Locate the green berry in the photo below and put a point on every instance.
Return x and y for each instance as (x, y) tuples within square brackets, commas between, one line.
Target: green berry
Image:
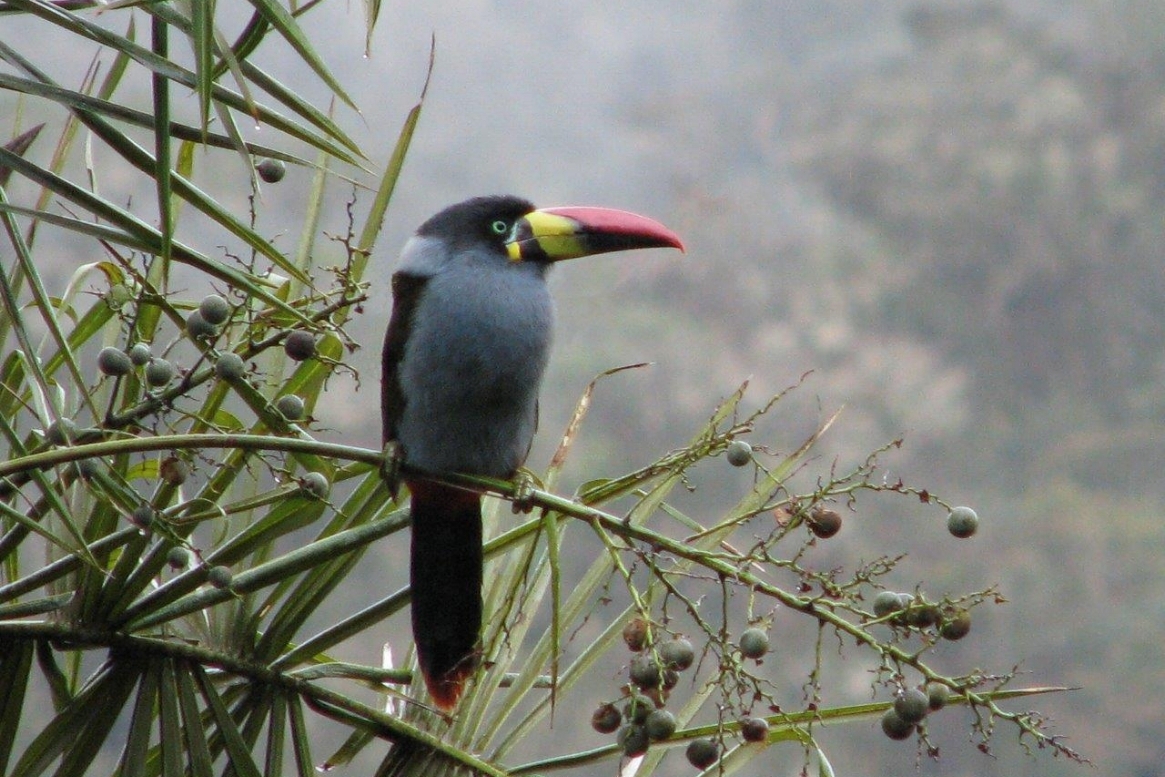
[(885, 603), (86, 468), (936, 695), (271, 170), (635, 634), (633, 740), (702, 753), (139, 354), (606, 719), (198, 327), (962, 522), (637, 708), (118, 295), (290, 406), (895, 727), (660, 725), (300, 345), (912, 705), (644, 672), (178, 557), (214, 309), (315, 485), (61, 432), (754, 729), (677, 654), (159, 373), (824, 523), (229, 366), (956, 625), (739, 453), (754, 643), (113, 361), (142, 516), (219, 577)]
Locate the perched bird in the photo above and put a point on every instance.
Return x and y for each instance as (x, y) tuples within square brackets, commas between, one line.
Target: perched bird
[(463, 359)]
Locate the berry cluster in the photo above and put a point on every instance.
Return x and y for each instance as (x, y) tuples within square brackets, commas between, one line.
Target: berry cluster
[(208, 326), (907, 611), (640, 717), (911, 706), (203, 326)]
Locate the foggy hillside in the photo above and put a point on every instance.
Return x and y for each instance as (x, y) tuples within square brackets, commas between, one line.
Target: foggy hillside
[(950, 212)]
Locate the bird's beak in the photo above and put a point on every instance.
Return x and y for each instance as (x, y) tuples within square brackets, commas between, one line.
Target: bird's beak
[(552, 234)]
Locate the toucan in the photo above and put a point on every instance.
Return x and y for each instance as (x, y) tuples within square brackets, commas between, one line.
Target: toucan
[(464, 354)]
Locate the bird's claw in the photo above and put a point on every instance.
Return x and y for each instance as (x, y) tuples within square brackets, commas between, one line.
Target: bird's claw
[(390, 464), (524, 487)]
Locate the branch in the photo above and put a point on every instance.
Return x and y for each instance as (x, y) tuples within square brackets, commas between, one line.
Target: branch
[(322, 700)]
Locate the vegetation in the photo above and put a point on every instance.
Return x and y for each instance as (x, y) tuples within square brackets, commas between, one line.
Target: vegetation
[(176, 530)]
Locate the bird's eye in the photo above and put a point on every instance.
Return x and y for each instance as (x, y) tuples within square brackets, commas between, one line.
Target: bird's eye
[(499, 227)]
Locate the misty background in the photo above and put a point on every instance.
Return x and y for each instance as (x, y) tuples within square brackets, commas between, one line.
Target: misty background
[(951, 212)]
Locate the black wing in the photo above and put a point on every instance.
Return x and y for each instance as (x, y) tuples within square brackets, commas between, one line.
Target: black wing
[(406, 293)]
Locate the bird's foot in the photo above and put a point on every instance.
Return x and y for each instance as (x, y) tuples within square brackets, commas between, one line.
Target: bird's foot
[(390, 464), (524, 486)]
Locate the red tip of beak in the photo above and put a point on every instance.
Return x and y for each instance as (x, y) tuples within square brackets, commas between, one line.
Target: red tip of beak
[(608, 221)]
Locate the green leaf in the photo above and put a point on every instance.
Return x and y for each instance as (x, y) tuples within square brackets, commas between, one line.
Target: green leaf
[(310, 557), (183, 188), (571, 676), (141, 725), (202, 40), (824, 767), (174, 72), (197, 749), (360, 510), (311, 648), (123, 113), (43, 303), (287, 515), (276, 736), (248, 40), (142, 237), (41, 606), (15, 669), (59, 688), (77, 733), (236, 748), (388, 181), (299, 739), (20, 519), (278, 17), (289, 96), (18, 145), (171, 738), (159, 167)]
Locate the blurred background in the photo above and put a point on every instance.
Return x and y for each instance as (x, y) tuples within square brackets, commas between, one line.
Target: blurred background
[(949, 211)]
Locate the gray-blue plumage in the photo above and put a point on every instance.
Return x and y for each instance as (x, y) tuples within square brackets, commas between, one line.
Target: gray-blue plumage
[(464, 355), (478, 342)]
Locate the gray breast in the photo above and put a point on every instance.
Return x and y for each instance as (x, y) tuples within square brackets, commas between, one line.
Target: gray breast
[(472, 368)]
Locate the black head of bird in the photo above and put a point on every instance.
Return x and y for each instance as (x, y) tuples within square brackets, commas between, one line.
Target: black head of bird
[(464, 355)]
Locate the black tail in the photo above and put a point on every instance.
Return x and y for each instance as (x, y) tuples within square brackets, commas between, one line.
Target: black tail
[(445, 574)]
